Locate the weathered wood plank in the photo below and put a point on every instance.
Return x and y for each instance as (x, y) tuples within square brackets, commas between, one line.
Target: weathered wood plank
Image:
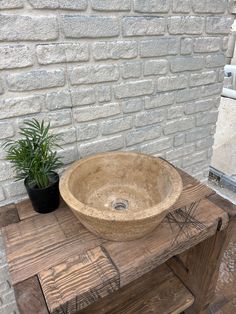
[(135, 258), (193, 190), (225, 204), (44, 240), (8, 215), (159, 292), (202, 265), (29, 297), (25, 209), (79, 281)]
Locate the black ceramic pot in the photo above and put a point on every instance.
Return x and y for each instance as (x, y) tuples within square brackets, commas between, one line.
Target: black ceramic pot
[(45, 200)]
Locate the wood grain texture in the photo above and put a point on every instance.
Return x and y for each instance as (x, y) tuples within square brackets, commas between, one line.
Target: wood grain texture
[(136, 258), (159, 292), (193, 190), (79, 281), (44, 240), (29, 297), (202, 264), (226, 205), (8, 215), (25, 209)]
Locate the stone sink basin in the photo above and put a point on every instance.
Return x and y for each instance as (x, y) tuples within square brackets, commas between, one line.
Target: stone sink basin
[(120, 196)]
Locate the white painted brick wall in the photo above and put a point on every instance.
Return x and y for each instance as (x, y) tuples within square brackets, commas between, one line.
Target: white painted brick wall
[(114, 75)]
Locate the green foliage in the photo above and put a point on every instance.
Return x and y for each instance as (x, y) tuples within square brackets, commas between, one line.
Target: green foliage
[(32, 155)]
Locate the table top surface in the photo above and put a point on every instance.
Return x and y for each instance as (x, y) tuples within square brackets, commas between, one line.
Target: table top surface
[(57, 255)]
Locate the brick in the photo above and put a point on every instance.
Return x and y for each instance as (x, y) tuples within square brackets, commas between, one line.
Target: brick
[(83, 96), (143, 134), (1, 87), (156, 146), (13, 107), (56, 118), (172, 82), (209, 6), (90, 74), (17, 56), (115, 50), (95, 112), (182, 64), (104, 93), (175, 112), (132, 89), (11, 4), (149, 117), (116, 125), (143, 26), (6, 171), (151, 6), (216, 60), (57, 53), (131, 69), (218, 25), (185, 25), (188, 94), (206, 44), (205, 142), (177, 162), (28, 27), (159, 100), (179, 152), (200, 106), (206, 118), (9, 308), (212, 89), (87, 131), (59, 4), (37, 79), (69, 154), (13, 189), (179, 125), (155, 67), (58, 100), (76, 26), (132, 105), (102, 145), (203, 78), (179, 139), (186, 46), (225, 43), (159, 47), (111, 5), (2, 198), (194, 158), (6, 130), (181, 6), (66, 135), (198, 133)]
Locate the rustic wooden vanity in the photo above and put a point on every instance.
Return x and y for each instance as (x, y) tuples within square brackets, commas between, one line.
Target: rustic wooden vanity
[(57, 266)]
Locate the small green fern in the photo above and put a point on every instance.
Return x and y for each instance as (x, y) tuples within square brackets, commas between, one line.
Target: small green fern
[(32, 156)]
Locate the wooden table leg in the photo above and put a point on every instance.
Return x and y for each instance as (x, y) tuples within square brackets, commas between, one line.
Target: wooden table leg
[(199, 270)]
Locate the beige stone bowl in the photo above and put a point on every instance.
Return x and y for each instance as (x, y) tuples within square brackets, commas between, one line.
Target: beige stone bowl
[(120, 196)]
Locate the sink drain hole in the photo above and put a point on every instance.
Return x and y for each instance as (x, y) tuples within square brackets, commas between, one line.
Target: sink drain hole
[(120, 204)]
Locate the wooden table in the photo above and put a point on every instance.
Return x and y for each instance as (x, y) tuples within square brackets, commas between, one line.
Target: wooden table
[(57, 266)]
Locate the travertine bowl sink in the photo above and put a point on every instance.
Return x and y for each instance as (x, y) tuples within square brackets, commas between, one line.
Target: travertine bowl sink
[(120, 196)]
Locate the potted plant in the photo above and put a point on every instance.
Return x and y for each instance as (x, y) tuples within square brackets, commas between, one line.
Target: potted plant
[(34, 160)]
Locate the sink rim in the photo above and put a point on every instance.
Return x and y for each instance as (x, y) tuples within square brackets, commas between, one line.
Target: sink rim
[(120, 216)]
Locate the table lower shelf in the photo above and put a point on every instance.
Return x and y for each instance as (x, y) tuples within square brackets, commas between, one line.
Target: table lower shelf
[(159, 292)]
